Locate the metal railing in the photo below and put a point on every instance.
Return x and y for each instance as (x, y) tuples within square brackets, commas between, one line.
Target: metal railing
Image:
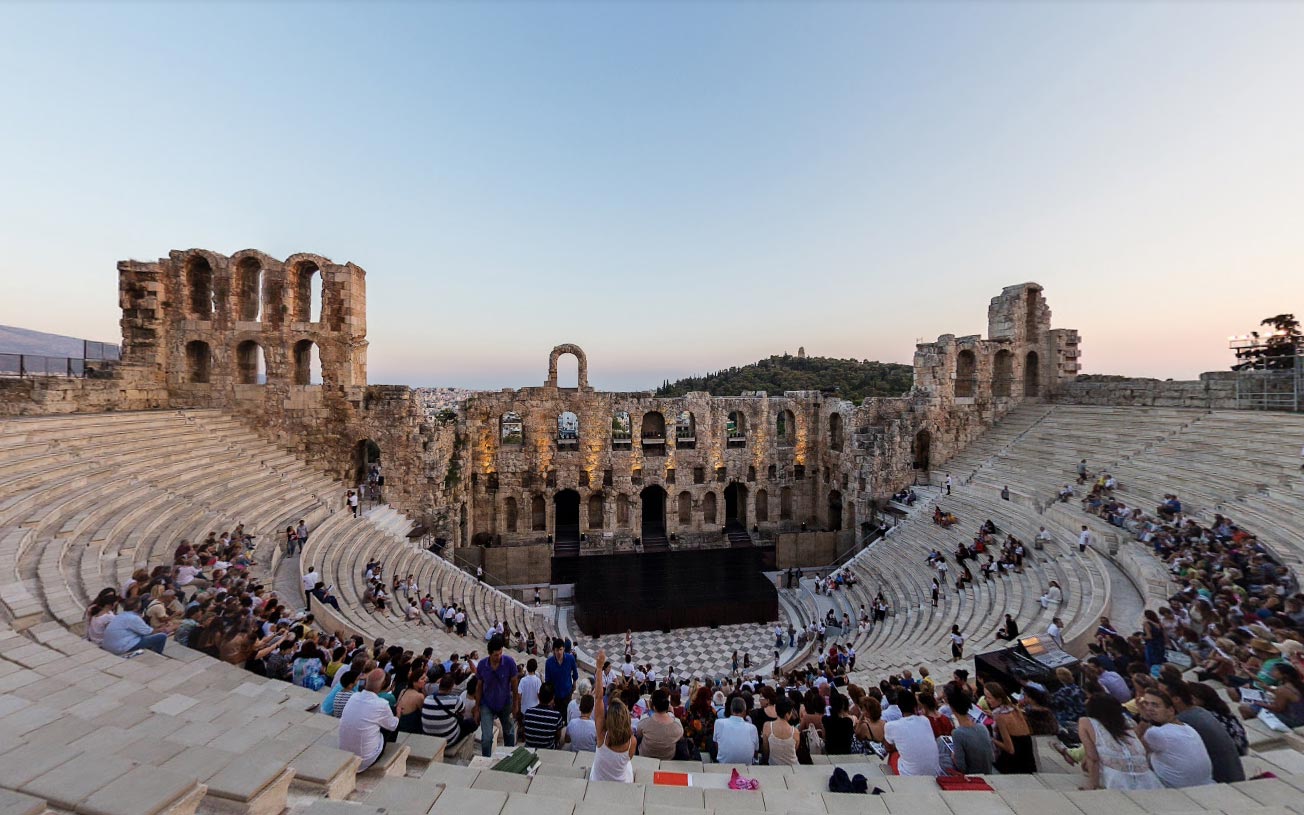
[(97, 358)]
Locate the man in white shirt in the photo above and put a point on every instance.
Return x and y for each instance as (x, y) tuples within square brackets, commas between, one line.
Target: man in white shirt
[(1043, 537), (1084, 539), (1055, 631), (736, 739), (529, 686), (310, 580), (913, 737), (363, 718)]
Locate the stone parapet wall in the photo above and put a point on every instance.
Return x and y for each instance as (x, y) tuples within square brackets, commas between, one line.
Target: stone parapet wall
[(1212, 391)]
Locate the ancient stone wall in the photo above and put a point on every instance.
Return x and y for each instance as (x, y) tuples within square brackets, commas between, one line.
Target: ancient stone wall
[(1212, 391)]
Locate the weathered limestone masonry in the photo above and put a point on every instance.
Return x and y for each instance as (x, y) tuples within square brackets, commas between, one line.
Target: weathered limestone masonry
[(1213, 391)]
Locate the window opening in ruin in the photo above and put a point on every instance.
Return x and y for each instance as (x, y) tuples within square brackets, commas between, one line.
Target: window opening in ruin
[(699, 475), (199, 276), (366, 462), (568, 371), (652, 432), (799, 471), (762, 506), (735, 505), (835, 510), (1032, 375), (307, 363), (771, 472), (1002, 373), (652, 517), (568, 431), (584, 478), (308, 292), (966, 374), (835, 432), (785, 428), (636, 476), (785, 504), (538, 514), (511, 430), (250, 274), (685, 430), (608, 478), (708, 509), (199, 362), (1030, 316), (566, 517), (597, 509), (720, 474), (622, 511), (621, 431), (923, 450), (509, 514), (491, 481), (751, 472), (670, 475), (685, 508), (735, 429), (251, 366)]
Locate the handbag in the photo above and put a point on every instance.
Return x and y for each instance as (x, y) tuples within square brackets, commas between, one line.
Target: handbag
[(814, 741)]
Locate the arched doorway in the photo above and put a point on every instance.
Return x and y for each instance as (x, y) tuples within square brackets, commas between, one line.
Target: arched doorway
[(923, 449), (366, 461), (966, 374), (1002, 373), (735, 505), (835, 510), (652, 523), (1031, 375), (566, 521)]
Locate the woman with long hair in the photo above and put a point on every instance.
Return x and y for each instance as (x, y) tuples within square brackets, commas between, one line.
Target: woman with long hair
[(1152, 631), (1014, 749), (615, 734), (1113, 756), (1208, 698)]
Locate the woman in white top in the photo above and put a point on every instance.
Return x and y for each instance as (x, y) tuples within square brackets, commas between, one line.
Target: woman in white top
[(1114, 758), (779, 738), (615, 735)]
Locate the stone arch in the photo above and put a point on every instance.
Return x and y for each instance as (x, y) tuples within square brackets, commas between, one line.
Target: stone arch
[(835, 432), (511, 430), (1002, 372), (685, 430), (923, 449), (251, 363), (597, 510), (566, 516), (249, 285), (622, 433), (200, 302), (366, 454), (307, 363), (735, 429), (652, 520), (835, 510), (966, 374), (685, 508), (762, 512), (785, 428), (538, 514), (653, 426), (510, 514), (306, 278), (735, 504), (1032, 374), (575, 351), (709, 515), (199, 362)]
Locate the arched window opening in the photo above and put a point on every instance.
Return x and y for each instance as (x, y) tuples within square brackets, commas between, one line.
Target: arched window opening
[(251, 367), (785, 429), (1030, 316), (1002, 373), (199, 362), (622, 434), (652, 431), (685, 509), (307, 363), (307, 292), (597, 508), (509, 514), (1032, 375), (568, 431), (923, 450), (538, 514), (735, 505), (199, 276), (366, 462), (652, 524), (708, 509), (785, 504), (762, 506), (568, 371), (622, 511), (835, 510), (566, 521), (249, 273), (511, 430), (966, 374), (735, 429), (835, 432), (685, 430)]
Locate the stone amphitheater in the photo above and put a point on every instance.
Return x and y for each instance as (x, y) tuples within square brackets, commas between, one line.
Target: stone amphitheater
[(242, 397)]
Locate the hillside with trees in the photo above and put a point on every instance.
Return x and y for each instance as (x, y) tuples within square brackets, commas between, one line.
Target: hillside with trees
[(852, 379)]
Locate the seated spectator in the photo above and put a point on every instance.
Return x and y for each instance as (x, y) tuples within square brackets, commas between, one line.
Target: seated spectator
[(1224, 758), (1068, 701), (1177, 753), (1053, 595), (365, 715), (443, 713), (1209, 699), (735, 738), (581, 735), (128, 631), (1014, 749), (780, 739), (1113, 756), (344, 693), (659, 732), (912, 737), (543, 723), (970, 751), (838, 726), (1009, 630)]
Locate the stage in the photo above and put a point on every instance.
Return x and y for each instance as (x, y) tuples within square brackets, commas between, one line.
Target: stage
[(664, 590)]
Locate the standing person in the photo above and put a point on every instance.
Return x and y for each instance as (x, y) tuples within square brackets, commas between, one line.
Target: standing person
[(291, 538), (365, 715), (310, 579), (1084, 539), (948, 483), (495, 695), (937, 590), (1177, 753), (353, 503), (527, 688), (301, 533), (479, 573), (1114, 758), (1082, 471), (1005, 493), (614, 733), (957, 644), (561, 672)]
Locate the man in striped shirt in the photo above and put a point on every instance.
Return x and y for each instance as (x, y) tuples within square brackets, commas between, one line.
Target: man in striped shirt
[(543, 722), (443, 713)]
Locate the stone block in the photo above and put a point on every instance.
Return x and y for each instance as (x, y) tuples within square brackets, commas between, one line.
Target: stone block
[(146, 791), (463, 801)]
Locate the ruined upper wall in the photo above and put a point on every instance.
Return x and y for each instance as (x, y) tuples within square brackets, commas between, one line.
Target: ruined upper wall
[(1212, 391)]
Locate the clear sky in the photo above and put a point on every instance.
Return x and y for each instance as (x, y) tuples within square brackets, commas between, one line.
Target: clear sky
[(676, 187)]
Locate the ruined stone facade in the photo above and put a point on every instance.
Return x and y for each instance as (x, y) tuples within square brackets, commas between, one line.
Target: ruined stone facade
[(283, 344)]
